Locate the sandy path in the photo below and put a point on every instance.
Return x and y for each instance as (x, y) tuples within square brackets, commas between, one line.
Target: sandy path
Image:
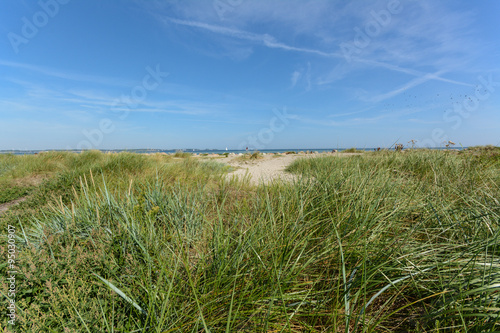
[(5, 206), (269, 168), (263, 170)]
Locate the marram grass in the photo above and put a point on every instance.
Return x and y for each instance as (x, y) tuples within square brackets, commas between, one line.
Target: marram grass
[(382, 242)]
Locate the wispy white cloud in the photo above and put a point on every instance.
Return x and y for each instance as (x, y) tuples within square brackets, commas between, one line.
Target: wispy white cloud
[(67, 75), (185, 107), (263, 39), (413, 72), (295, 77), (298, 16), (304, 76), (308, 77), (413, 83), (426, 122), (88, 104)]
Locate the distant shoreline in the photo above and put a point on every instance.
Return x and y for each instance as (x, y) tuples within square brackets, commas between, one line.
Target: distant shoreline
[(209, 151)]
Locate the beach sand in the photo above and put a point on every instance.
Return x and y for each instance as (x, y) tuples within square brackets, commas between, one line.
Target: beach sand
[(270, 167)]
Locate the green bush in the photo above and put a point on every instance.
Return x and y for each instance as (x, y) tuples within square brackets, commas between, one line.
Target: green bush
[(351, 150), (255, 155), (182, 154)]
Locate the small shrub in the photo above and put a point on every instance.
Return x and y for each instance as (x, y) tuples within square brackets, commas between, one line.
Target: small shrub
[(351, 150), (255, 155), (181, 154)]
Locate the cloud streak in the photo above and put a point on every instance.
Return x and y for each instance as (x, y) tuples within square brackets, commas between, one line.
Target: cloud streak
[(65, 75), (295, 77), (263, 39), (413, 83), (413, 72)]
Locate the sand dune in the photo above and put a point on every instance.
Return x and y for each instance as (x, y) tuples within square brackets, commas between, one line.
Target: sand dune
[(270, 167)]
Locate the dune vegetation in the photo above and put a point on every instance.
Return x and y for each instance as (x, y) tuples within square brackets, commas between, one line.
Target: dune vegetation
[(378, 242)]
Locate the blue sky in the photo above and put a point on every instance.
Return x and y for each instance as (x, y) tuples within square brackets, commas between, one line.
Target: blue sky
[(235, 73)]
